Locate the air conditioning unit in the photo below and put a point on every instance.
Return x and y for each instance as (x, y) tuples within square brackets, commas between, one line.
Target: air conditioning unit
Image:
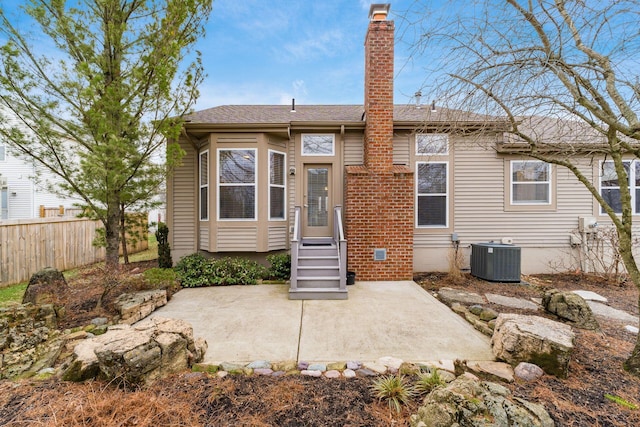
[(495, 262)]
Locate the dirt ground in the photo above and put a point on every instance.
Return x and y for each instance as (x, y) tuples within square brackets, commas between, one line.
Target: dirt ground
[(195, 399)]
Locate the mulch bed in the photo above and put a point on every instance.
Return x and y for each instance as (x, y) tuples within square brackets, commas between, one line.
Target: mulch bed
[(194, 399)]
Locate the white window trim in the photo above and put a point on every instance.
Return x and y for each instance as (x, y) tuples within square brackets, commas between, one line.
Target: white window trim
[(201, 186), (333, 144), (632, 185), (254, 185), (445, 153), (548, 182), (446, 194), (284, 210)]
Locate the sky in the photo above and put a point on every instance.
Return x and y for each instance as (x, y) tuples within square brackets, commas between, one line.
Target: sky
[(270, 51)]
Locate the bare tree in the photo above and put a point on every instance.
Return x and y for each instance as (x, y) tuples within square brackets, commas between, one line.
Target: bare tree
[(564, 76)]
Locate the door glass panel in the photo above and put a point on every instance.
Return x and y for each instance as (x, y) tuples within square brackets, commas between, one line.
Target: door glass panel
[(318, 196)]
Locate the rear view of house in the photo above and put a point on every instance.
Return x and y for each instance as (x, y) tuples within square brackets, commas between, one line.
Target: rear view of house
[(380, 189)]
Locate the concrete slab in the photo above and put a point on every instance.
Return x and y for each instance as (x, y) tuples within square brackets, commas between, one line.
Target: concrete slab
[(590, 296), (396, 319), (246, 323), (240, 323), (603, 310)]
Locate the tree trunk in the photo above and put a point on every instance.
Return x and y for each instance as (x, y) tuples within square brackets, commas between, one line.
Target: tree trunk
[(632, 364), (112, 236), (123, 233)]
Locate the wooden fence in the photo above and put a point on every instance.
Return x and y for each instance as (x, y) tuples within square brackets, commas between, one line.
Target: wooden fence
[(27, 246)]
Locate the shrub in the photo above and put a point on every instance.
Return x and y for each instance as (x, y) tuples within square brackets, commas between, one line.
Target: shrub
[(280, 266), (195, 271), (394, 389), (164, 250)]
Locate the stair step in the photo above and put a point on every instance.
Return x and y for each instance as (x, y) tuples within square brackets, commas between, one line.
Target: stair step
[(318, 293), (318, 271)]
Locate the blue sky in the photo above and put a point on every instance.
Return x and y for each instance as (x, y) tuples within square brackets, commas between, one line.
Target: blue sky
[(269, 51)]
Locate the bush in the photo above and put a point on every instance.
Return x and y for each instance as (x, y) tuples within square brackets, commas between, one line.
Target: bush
[(164, 250), (195, 271), (280, 266)]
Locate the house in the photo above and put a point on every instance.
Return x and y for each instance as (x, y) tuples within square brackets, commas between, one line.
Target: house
[(382, 190), (21, 195)]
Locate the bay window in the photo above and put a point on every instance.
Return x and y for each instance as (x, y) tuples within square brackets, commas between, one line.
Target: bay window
[(237, 184), (277, 179)]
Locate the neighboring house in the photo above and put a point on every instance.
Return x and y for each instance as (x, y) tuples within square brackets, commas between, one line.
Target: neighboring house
[(20, 195), (408, 185)]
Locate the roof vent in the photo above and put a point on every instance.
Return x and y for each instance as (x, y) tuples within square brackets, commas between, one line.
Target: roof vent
[(418, 96), (379, 11), (293, 105)]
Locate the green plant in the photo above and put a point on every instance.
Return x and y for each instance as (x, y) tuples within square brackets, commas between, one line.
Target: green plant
[(620, 401), (12, 294), (427, 381), (395, 389), (195, 270), (160, 276), (280, 266), (164, 250)]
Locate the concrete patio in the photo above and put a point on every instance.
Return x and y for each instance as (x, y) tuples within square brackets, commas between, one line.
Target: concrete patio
[(246, 323)]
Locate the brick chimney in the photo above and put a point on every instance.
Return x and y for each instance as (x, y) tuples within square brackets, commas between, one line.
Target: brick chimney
[(379, 195)]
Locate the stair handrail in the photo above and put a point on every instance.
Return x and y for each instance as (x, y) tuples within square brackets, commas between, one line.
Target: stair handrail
[(295, 247), (341, 244)]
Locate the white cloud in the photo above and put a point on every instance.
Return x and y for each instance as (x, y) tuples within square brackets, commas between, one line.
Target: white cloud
[(325, 44)]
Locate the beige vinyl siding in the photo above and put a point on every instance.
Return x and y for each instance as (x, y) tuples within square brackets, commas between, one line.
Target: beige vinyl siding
[(353, 148), (291, 182), (479, 204), (401, 149), (183, 202), (204, 238), (238, 239), (277, 237)]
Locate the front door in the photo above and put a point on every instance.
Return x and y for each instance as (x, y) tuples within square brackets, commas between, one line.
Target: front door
[(317, 215)]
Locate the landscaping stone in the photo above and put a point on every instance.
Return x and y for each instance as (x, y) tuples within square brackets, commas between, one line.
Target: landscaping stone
[(288, 365), (262, 371), (392, 363), (317, 367), (222, 374), (205, 367), (603, 310), (353, 365), (544, 342), (476, 309), (349, 373), (302, 365), (137, 354), (458, 308), (409, 368), (136, 306), (591, 296), (337, 366), (451, 295), (278, 374), (512, 302), (478, 324), (232, 368), (446, 365), (632, 329), (259, 364), (364, 372), (570, 306), (488, 314), (309, 373), (375, 367), (468, 402), (528, 371), (492, 370), (332, 374), (47, 286), (99, 321)]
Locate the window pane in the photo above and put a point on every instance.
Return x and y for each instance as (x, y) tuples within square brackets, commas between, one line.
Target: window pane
[(432, 210), (277, 203), (276, 173), (432, 143), (612, 197), (237, 166), (609, 177), (319, 145), (532, 171), (432, 178), (531, 193), (237, 202), (204, 203), (204, 168)]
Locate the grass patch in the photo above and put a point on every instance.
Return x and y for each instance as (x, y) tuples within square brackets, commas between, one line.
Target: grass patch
[(12, 294)]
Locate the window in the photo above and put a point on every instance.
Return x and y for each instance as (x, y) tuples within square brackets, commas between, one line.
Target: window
[(530, 183), (237, 184), (204, 186), (610, 186), (277, 179), (318, 145), (432, 193), (432, 144), (2, 153)]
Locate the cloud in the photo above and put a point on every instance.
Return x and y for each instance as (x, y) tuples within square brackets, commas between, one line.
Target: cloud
[(324, 44)]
